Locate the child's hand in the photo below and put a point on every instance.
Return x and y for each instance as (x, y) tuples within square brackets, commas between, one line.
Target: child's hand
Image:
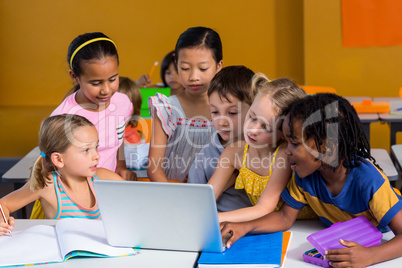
[(238, 230), (126, 174), (354, 255), (4, 228), (143, 80)]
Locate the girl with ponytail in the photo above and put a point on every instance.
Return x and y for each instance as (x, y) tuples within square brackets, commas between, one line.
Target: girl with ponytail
[(63, 175)]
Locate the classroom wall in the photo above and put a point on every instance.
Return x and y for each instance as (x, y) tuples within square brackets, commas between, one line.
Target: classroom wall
[(35, 37), (299, 39), (358, 71)]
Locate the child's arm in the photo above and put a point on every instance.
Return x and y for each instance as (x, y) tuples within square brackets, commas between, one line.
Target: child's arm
[(105, 174), (157, 151), (269, 199), (273, 222), (143, 80), (14, 201), (221, 179), (356, 255), (121, 167)]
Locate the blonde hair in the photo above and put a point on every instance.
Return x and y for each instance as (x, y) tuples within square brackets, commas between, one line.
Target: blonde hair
[(132, 90), (282, 91), (55, 135)]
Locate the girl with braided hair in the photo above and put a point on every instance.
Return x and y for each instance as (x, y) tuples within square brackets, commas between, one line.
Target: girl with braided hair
[(336, 175)]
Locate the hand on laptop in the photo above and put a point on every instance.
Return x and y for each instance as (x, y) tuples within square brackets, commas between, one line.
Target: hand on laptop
[(235, 230)]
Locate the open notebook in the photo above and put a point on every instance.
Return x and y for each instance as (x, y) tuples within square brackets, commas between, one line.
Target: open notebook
[(70, 238)]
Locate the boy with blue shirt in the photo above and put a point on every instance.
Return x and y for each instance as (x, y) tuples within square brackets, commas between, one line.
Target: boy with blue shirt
[(230, 98)]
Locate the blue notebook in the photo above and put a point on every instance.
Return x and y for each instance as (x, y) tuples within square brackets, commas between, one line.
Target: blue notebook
[(264, 250)]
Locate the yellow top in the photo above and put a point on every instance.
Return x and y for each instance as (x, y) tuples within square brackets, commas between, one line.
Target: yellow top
[(250, 181)]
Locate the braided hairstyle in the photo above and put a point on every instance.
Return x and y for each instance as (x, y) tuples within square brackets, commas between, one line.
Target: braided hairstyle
[(330, 119)]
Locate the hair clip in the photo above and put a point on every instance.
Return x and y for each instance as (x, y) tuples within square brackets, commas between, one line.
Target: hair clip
[(43, 154)]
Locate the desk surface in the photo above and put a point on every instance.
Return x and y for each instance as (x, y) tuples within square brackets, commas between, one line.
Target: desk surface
[(387, 117), (384, 160), (21, 171), (147, 258), (178, 259), (357, 98), (396, 150)]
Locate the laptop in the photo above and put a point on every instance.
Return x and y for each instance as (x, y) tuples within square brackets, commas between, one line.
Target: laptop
[(169, 216)]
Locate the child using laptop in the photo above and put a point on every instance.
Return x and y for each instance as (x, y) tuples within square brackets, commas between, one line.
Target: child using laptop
[(260, 159), (63, 175), (336, 175), (230, 97), (181, 124)]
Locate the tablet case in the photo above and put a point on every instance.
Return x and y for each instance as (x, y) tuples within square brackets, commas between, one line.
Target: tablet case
[(359, 230)]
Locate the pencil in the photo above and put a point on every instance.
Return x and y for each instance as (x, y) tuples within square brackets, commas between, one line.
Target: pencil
[(153, 69), (4, 217)]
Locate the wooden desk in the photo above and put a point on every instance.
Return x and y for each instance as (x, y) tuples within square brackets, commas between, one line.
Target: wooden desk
[(394, 121), (179, 259)]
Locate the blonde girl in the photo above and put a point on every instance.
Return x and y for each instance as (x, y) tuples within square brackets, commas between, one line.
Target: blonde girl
[(63, 175), (260, 159)]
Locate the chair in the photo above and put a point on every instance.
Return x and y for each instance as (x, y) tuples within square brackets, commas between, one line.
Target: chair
[(37, 211)]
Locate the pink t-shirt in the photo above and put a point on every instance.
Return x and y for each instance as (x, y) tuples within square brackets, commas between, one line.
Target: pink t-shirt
[(110, 124)]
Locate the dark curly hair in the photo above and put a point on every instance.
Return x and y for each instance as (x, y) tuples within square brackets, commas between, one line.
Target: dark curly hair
[(331, 118)]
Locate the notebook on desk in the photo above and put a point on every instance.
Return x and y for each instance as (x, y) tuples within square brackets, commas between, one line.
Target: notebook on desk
[(171, 216)]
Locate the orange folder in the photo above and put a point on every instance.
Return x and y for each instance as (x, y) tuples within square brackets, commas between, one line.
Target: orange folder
[(368, 106)]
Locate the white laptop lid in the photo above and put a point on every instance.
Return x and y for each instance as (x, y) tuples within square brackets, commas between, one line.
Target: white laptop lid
[(172, 216)]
